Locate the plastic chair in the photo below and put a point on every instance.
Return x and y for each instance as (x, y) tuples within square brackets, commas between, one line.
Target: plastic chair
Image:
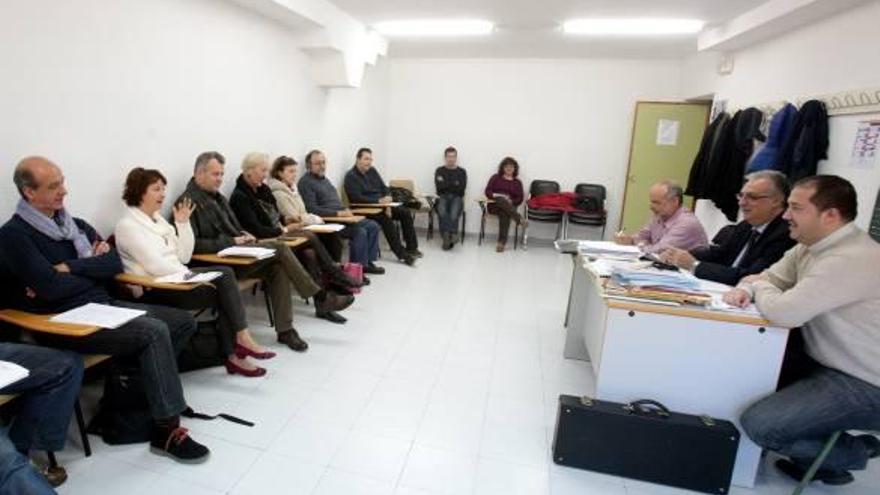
[(595, 217), (537, 188)]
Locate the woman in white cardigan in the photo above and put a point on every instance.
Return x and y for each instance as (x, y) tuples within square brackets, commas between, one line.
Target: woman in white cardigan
[(282, 182), (149, 245)]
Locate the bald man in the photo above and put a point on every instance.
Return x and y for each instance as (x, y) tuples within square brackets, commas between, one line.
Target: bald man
[(53, 262), (673, 225)]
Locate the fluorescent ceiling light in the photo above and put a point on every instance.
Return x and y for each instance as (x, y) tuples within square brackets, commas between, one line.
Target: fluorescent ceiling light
[(414, 28), (632, 27)]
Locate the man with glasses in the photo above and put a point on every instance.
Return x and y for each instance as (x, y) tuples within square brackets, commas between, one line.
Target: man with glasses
[(756, 243)]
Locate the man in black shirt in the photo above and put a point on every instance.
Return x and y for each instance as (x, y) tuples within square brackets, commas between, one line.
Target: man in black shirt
[(451, 182), (363, 184)]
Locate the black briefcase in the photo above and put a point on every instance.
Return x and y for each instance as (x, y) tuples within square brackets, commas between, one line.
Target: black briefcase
[(643, 440)]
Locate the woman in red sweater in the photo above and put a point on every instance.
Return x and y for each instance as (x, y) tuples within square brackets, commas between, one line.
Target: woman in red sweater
[(506, 192)]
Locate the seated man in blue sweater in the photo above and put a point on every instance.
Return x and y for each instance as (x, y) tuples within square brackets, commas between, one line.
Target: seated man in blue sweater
[(322, 199), (56, 262)]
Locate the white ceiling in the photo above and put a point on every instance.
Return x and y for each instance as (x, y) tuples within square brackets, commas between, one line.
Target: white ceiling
[(530, 28)]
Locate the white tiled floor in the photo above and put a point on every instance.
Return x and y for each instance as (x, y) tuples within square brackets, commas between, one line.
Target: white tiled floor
[(444, 381)]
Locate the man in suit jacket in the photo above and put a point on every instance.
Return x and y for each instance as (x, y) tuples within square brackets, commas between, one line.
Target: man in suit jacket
[(756, 243)]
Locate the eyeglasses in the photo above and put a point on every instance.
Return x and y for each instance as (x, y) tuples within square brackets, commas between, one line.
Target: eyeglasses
[(751, 197)]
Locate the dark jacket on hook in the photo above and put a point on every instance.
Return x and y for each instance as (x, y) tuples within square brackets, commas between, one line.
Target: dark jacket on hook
[(727, 169), (699, 178), (780, 129), (807, 143)]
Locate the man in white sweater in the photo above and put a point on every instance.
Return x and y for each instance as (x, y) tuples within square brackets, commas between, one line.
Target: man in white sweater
[(830, 285)]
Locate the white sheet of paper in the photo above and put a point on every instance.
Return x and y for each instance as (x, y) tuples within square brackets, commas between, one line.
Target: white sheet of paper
[(11, 373), (180, 278), (248, 252), (98, 315), (667, 132), (327, 227)]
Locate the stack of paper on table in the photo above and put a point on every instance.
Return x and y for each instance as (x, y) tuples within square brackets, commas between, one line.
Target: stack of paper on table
[(11, 373), (655, 278), (98, 315), (325, 228), (188, 278), (248, 252), (605, 248)]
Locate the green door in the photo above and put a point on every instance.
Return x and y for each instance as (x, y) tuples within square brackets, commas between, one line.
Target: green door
[(665, 141)]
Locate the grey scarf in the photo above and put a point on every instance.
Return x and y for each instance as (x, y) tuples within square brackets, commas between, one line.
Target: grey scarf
[(61, 227)]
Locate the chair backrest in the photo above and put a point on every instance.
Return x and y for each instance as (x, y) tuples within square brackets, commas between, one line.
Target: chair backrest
[(407, 184), (539, 187), (596, 191), (343, 196)]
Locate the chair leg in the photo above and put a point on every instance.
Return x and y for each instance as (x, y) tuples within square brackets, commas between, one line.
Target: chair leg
[(430, 223), (463, 222), (482, 229), (515, 236), (81, 424), (808, 477), (268, 307)]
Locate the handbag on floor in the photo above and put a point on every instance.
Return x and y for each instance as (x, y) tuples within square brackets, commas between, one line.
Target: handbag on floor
[(123, 413), (356, 272), (643, 440), (203, 349)]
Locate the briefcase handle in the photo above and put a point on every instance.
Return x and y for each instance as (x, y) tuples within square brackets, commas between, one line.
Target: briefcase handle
[(647, 406)]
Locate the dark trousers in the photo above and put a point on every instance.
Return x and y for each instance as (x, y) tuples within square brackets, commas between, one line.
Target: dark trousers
[(363, 241), (277, 286), (505, 211), (47, 395), (333, 244), (155, 339), (392, 234), (449, 208), (221, 293), (315, 256)]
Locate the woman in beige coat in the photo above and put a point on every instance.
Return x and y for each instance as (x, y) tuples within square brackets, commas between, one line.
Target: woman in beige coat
[(282, 182)]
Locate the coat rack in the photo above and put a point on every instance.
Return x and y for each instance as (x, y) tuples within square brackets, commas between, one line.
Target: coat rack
[(853, 102)]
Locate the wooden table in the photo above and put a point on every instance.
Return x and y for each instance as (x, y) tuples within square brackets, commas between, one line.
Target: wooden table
[(213, 259), (295, 241), (349, 220), (44, 324), (150, 282), (691, 359), (369, 211)]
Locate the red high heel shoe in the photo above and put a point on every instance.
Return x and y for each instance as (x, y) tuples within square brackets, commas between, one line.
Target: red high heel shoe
[(242, 352), (234, 369)]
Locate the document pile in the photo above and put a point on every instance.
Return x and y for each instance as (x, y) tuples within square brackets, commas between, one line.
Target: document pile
[(98, 315), (325, 228), (608, 249), (657, 285), (248, 252)]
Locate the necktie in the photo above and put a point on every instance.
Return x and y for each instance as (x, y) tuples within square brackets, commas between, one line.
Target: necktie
[(753, 238)]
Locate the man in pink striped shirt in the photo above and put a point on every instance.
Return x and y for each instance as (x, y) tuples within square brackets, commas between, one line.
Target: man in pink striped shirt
[(673, 225)]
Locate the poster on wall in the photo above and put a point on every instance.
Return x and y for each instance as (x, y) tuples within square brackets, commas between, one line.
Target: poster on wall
[(667, 132), (864, 153)]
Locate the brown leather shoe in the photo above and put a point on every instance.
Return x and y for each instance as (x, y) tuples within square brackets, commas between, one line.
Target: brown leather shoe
[(291, 339), (330, 301), (499, 248), (56, 476)]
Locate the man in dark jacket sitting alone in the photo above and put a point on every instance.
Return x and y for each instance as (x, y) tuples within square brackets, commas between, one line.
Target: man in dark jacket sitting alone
[(451, 182), (755, 244), (57, 262), (363, 184)]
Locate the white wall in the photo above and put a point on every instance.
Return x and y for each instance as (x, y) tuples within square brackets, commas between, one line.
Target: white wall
[(837, 54), (100, 86), (565, 120)]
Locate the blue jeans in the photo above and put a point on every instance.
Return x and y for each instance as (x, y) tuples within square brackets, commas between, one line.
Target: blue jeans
[(797, 420), (155, 339), (449, 208), (47, 395), (363, 241), (17, 476)]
